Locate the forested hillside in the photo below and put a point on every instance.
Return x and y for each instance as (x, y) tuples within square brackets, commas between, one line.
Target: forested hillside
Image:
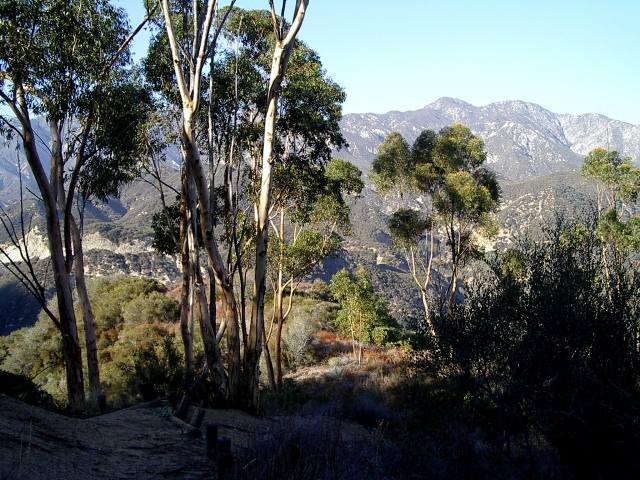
[(119, 231), (205, 226)]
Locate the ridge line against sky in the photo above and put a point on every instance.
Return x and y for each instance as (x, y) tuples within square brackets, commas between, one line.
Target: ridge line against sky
[(567, 56)]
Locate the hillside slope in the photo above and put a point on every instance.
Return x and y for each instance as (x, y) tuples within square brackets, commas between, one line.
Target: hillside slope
[(535, 152)]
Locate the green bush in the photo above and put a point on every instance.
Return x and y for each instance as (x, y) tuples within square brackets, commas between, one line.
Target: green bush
[(546, 347), (24, 389), (134, 324)]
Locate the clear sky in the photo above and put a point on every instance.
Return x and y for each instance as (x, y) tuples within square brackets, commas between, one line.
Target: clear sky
[(569, 56)]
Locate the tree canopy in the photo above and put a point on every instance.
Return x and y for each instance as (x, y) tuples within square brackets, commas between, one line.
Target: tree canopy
[(459, 196)]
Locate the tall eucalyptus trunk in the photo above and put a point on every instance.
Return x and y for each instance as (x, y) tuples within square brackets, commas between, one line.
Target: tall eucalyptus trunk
[(188, 67), (66, 321), (281, 54)]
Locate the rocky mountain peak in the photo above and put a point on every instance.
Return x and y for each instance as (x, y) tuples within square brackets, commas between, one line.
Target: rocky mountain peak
[(523, 140)]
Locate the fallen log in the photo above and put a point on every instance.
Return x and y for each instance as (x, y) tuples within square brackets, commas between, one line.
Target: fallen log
[(190, 430)]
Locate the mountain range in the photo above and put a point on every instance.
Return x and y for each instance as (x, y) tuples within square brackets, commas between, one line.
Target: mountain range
[(535, 153), (523, 140)]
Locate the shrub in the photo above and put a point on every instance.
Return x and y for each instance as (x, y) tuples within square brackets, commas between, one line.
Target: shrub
[(546, 349), (24, 389), (308, 448)]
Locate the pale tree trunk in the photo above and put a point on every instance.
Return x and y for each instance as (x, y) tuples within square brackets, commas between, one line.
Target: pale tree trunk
[(360, 340), (192, 157), (454, 240), (423, 286), (65, 242), (353, 334), (267, 357), (74, 235), (67, 321), (190, 93), (93, 367), (281, 55), (279, 294)]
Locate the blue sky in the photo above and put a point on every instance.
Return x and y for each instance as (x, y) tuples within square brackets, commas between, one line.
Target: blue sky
[(567, 56)]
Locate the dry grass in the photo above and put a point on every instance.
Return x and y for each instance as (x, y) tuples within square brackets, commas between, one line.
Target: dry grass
[(307, 448)]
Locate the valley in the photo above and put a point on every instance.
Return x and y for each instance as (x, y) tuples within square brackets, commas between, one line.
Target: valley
[(535, 153)]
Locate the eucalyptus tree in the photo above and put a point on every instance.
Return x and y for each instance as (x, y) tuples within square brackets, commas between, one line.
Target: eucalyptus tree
[(617, 183), (65, 60), (311, 212), (400, 169), (466, 200), (306, 133), (192, 41), (459, 195), (186, 28), (392, 169), (363, 316), (616, 179), (285, 36)]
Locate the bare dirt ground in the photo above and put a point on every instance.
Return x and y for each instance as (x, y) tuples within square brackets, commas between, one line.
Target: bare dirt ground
[(134, 443)]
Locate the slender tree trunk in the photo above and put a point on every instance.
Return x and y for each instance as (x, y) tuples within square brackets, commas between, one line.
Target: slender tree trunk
[(67, 320), (253, 350), (353, 334), (190, 93), (75, 238), (185, 291), (192, 157), (93, 366), (279, 342), (269, 363), (211, 347), (279, 294), (281, 55)]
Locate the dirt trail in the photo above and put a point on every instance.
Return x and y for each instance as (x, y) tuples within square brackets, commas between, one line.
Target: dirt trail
[(134, 443)]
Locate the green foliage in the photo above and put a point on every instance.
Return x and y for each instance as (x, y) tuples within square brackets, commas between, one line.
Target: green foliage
[(117, 147), (512, 262), (134, 327), (547, 346), (407, 227), (131, 300), (36, 353), (616, 181), (457, 149), (462, 197), (362, 316), (23, 388), (341, 180), (393, 166), (308, 249), (320, 291), (166, 230), (625, 235), (617, 177), (310, 104), (63, 71), (59, 49), (134, 321), (469, 193), (159, 362)]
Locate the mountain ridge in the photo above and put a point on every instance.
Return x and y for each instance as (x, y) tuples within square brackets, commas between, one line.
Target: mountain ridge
[(535, 153), (523, 139)]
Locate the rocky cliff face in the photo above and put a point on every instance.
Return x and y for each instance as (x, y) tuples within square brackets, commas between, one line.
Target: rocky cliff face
[(523, 140), (535, 153)]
